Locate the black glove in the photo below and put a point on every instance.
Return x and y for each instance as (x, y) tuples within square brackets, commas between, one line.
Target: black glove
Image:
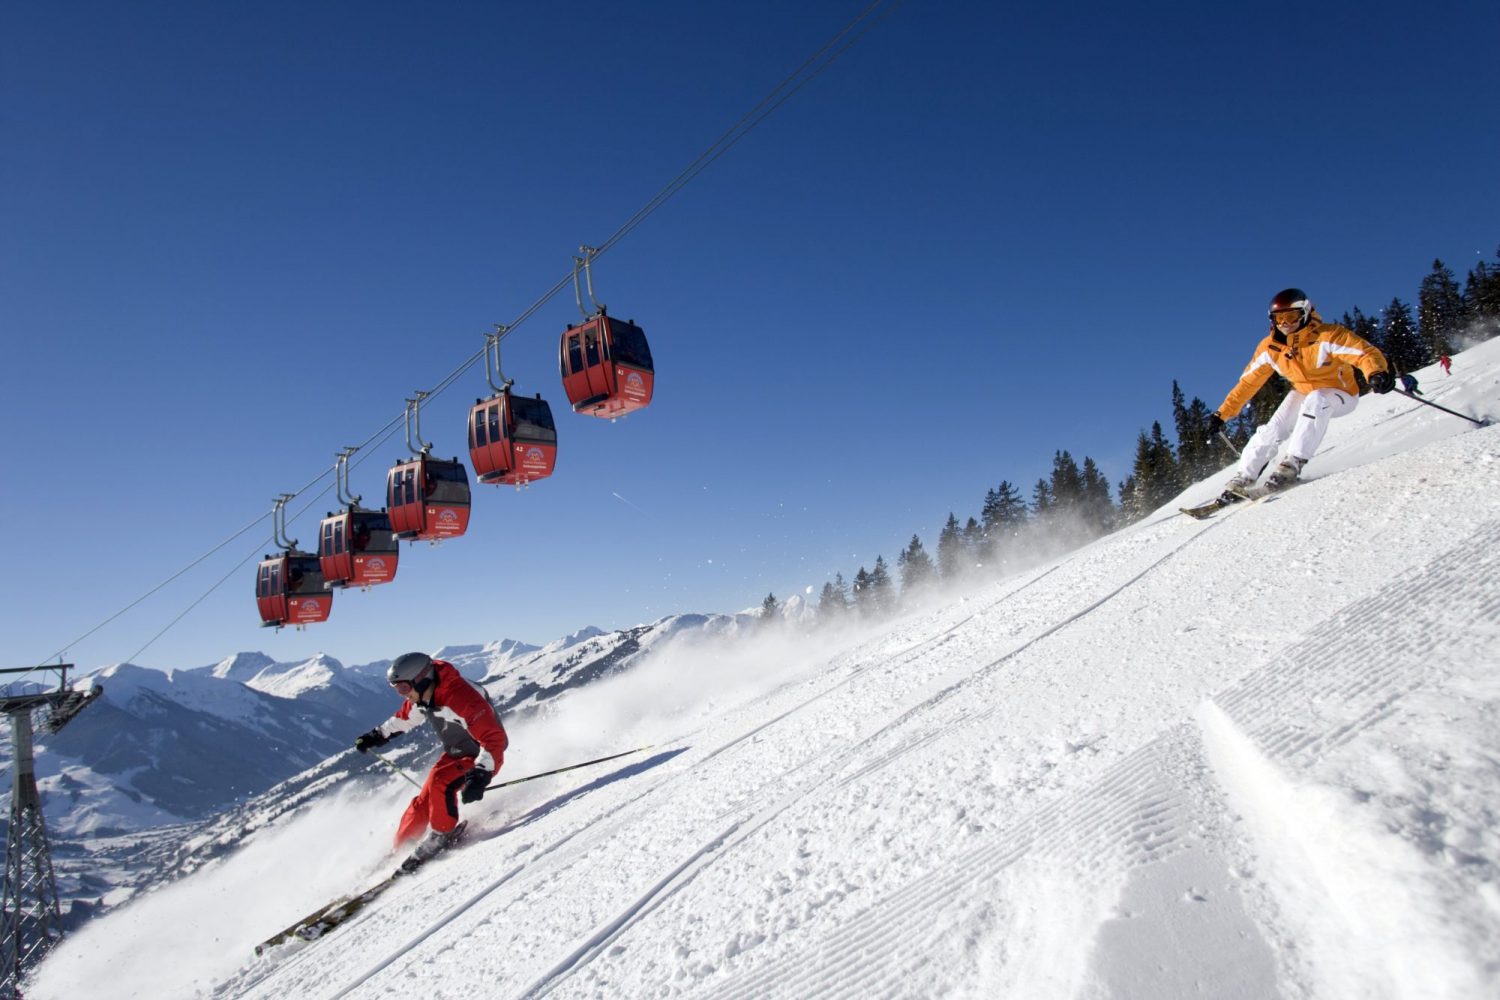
[(1381, 382), (1215, 424), (374, 738), (475, 783)]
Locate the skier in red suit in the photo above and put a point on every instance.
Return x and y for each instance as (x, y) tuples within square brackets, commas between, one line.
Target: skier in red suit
[(474, 743)]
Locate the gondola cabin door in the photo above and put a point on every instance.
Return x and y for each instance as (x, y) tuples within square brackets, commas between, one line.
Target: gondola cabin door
[(606, 367), (428, 498), (357, 548), (512, 439), (289, 590)]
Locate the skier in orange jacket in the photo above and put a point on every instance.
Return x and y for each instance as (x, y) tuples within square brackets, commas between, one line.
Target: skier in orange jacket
[(1319, 359), (474, 743)]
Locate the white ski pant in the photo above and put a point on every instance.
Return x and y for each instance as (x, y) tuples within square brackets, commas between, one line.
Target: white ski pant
[(1301, 417)]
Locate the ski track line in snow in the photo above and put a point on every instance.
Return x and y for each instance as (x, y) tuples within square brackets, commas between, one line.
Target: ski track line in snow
[(977, 674), (738, 830), (1340, 874), (1368, 656), (741, 830), (1130, 816), (249, 979)]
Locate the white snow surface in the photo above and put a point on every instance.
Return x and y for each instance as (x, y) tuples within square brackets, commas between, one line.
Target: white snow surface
[(1254, 756)]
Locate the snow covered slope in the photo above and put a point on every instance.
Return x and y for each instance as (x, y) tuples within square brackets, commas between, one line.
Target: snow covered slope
[(1254, 756)]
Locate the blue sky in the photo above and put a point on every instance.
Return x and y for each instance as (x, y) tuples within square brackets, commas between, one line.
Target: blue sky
[(236, 237)]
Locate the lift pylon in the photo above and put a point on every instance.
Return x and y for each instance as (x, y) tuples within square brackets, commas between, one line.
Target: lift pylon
[(32, 919)]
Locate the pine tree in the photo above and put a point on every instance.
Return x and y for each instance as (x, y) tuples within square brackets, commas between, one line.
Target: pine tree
[(1066, 485), (1004, 517), (1399, 335), (1367, 328), (916, 568), (863, 597), (1155, 476), (829, 608), (1482, 300), (950, 550), (882, 597), (770, 609), (1169, 481), (833, 602), (973, 543), (1004, 511), (1440, 313), (1098, 509), (1130, 508), (1041, 501), (1135, 491), (1198, 452)]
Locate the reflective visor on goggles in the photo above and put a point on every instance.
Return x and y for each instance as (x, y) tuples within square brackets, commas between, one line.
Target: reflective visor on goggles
[(402, 688), (1279, 316)]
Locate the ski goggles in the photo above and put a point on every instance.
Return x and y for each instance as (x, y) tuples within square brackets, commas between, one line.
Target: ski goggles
[(402, 688), (1280, 316)]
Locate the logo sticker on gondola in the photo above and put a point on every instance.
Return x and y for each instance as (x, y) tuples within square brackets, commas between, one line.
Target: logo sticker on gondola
[(634, 381), (535, 455), (448, 515)]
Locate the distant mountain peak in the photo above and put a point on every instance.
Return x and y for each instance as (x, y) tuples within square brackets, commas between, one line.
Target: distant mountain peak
[(572, 639), (240, 667)]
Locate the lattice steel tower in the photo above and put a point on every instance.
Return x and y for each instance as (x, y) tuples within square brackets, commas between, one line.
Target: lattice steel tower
[(33, 914)]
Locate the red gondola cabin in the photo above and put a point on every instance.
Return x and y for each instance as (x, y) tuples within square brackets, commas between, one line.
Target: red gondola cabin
[(289, 590), (606, 367), (357, 548), (428, 498), (512, 439)]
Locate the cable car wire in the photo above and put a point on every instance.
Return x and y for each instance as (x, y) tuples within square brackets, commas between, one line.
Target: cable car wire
[(804, 74)]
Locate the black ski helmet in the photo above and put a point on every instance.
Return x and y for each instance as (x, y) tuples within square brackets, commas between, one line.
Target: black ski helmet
[(1290, 298), (415, 669)]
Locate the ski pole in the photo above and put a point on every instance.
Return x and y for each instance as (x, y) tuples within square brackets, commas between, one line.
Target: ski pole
[(1228, 443), (393, 767), (571, 767), (1474, 420)]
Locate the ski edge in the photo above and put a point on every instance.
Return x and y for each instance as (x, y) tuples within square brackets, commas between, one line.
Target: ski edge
[(326, 918)]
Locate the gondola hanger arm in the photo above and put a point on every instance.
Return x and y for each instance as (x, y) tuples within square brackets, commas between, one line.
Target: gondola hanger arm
[(492, 359), (586, 264), (278, 522), (341, 479), (414, 425)]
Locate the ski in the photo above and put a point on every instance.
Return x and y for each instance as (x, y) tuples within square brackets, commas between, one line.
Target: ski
[(1218, 503), (325, 919)]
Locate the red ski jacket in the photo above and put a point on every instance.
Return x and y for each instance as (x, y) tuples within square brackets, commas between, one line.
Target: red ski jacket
[(463, 717)]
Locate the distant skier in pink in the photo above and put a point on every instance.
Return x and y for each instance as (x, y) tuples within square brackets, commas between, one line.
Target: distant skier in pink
[(1447, 363), (473, 737)]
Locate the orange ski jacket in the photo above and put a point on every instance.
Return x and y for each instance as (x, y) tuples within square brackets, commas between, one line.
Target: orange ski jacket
[(1318, 356), (465, 720)]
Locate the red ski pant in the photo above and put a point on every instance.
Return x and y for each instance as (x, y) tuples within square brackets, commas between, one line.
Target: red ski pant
[(436, 805)]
